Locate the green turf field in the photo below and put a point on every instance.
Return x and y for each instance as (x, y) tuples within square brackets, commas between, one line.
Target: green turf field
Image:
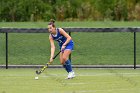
[(87, 81), (90, 48)]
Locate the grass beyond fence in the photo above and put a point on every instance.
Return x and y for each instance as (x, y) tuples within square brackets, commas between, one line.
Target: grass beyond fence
[(71, 24), (90, 48)]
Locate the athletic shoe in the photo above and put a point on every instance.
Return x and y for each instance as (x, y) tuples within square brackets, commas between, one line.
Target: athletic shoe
[(71, 75)]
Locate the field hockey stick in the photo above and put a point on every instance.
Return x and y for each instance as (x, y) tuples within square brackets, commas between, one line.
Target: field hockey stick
[(46, 66)]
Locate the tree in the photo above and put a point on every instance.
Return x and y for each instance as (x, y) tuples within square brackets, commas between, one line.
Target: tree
[(120, 10), (105, 7)]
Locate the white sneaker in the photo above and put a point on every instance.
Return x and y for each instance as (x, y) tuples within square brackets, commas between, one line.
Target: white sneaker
[(71, 75)]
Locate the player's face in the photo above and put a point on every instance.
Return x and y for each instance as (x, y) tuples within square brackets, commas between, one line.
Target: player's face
[(51, 29)]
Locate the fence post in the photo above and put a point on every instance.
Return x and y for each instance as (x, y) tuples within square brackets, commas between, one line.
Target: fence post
[(6, 35), (134, 50)]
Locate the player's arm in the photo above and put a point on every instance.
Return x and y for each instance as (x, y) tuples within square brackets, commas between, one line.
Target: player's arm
[(52, 48), (62, 32)]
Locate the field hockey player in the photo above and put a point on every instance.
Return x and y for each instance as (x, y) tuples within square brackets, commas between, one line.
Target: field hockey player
[(66, 45)]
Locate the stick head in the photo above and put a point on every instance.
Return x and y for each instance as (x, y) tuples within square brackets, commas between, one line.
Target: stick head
[(38, 72)]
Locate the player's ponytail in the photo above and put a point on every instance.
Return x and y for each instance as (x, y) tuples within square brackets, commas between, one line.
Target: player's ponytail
[(52, 21)]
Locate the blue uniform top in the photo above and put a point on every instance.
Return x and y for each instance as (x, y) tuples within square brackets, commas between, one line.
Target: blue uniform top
[(60, 38)]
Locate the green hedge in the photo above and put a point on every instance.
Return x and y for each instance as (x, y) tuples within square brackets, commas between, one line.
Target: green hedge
[(69, 10)]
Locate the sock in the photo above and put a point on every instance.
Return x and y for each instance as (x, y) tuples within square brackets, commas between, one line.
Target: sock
[(65, 68), (68, 66)]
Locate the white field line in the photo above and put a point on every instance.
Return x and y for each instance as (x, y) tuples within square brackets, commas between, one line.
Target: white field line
[(96, 74), (79, 74), (76, 83), (111, 74), (101, 90)]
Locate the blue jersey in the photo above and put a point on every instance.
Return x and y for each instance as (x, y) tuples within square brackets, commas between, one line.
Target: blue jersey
[(61, 39)]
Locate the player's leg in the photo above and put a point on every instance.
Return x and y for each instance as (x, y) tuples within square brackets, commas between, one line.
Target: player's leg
[(61, 61), (67, 62)]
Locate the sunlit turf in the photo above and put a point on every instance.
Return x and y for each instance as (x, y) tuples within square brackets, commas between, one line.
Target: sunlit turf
[(86, 81)]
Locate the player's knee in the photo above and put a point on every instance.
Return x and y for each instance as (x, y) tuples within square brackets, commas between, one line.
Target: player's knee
[(62, 62), (65, 59)]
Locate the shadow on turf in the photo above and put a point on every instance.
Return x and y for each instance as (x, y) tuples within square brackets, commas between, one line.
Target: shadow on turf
[(121, 76), (3, 91), (57, 79)]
